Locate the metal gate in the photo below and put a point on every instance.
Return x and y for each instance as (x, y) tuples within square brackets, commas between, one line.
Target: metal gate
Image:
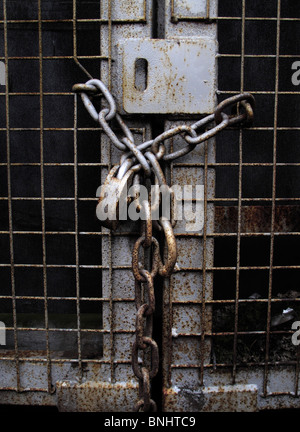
[(224, 319)]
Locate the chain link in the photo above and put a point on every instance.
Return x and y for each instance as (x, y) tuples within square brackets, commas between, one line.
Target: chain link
[(145, 305), (144, 159)]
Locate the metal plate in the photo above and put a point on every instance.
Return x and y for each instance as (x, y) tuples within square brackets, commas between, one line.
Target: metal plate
[(228, 398), (93, 396), (180, 76)]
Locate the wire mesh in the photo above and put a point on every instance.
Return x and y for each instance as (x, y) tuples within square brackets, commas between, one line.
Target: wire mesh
[(255, 210), (257, 280), (51, 253)]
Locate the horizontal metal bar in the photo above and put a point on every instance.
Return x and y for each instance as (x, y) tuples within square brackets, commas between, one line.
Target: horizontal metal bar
[(221, 164), (239, 18), (219, 92), (97, 299), (81, 129), (230, 364), (262, 92), (27, 389), (232, 333), (221, 55), (176, 302), (265, 128), (69, 266), (276, 394), (102, 57), (89, 233), (78, 20), (62, 57), (64, 360), (178, 164), (38, 94), (134, 234), (209, 200), (68, 330), (182, 268), (142, 20)]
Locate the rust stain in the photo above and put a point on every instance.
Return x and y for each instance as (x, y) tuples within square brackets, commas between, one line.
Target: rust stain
[(257, 219)]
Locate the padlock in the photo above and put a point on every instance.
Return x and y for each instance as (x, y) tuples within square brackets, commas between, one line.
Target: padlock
[(113, 199)]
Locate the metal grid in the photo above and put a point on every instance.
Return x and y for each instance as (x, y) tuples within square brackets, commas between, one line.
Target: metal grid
[(256, 229), (274, 228), (45, 355), (64, 251)]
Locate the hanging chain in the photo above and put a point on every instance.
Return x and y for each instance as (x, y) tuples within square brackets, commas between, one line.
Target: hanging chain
[(145, 304), (143, 161)]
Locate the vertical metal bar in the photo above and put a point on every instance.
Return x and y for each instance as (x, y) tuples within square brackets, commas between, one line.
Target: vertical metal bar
[(266, 371), (168, 311), (76, 240), (111, 302), (190, 356), (207, 9), (168, 348), (204, 246), (172, 14), (237, 293), (297, 372), (9, 194), (75, 40), (109, 42), (76, 204), (43, 195)]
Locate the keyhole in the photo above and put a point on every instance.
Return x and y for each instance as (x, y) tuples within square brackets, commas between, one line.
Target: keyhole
[(141, 74)]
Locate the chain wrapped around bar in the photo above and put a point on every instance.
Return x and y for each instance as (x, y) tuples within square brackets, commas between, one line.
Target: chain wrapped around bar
[(143, 160)]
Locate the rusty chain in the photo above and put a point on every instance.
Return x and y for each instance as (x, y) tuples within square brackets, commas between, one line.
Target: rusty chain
[(145, 304), (139, 161)]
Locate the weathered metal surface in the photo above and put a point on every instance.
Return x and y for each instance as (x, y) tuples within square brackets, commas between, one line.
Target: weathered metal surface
[(180, 75), (97, 396), (190, 18), (281, 390), (257, 219), (125, 19), (129, 10), (186, 316), (32, 398), (218, 395), (228, 398)]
